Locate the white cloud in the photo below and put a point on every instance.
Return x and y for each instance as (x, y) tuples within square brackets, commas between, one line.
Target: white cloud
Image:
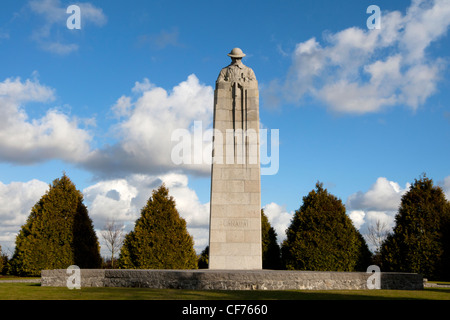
[(146, 120), (60, 48), (379, 203), (149, 117), (425, 22), (55, 17), (162, 39), (278, 218), (361, 71), (368, 218), (52, 11), (111, 200), (13, 91), (143, 86), (187, 202), (122, 200), (24, 140), (16, 201), (446, 187), (91, 14), (384, 217), (382, 195), (122, 107), (357, 216)]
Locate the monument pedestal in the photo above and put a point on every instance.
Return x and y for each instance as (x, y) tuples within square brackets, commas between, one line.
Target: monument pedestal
[(235, 225), (232, 279)]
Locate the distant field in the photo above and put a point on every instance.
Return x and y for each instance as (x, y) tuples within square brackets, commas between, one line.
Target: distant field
[(33, 291)]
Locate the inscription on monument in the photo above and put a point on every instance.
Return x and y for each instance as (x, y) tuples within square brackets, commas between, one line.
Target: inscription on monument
[(235, 223)]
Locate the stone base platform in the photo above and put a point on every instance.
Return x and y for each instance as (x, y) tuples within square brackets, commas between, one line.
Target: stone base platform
[(205, 279)]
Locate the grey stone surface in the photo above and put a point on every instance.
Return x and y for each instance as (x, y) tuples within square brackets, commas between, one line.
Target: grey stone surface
[(21, 281), (235, 218), (233, 279)]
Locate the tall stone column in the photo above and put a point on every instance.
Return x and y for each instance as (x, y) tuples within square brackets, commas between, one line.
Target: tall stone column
[(235, 221)]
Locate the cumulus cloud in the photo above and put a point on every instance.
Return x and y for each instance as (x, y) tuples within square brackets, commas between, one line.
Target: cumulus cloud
[(446, 187), (122, 199), (16, 201), (382, 195), (24, 140), (54, 17), (148, 118), (14, 92), (361, 71), (279, 218), (357, 217), (379, 203)]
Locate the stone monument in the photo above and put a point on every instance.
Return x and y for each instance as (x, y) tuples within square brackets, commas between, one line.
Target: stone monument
[(235, 224), (235, 218)]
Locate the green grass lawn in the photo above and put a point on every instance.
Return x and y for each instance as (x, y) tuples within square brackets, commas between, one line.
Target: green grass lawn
[(33, 291)]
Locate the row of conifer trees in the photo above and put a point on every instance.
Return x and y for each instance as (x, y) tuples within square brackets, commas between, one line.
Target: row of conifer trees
[(59, 233)]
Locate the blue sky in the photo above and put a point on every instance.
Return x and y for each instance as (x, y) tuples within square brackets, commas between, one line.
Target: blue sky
[(363, 111)]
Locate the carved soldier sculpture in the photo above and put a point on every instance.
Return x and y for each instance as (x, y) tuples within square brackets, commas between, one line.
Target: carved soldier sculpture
[(235, 219), (236, 72)]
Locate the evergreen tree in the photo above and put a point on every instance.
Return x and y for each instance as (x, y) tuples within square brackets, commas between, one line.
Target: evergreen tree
[(3, 261), (365, 256), (203, 259), (271, 255), (420, 240), (58, 233), (160, 239), (321, 236)]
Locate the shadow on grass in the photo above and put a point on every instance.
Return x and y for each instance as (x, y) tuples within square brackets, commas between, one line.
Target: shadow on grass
[(33, 291), (294, 295)]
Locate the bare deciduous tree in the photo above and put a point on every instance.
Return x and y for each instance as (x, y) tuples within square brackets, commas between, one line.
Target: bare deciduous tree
[(377, 234), (113, 234)]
